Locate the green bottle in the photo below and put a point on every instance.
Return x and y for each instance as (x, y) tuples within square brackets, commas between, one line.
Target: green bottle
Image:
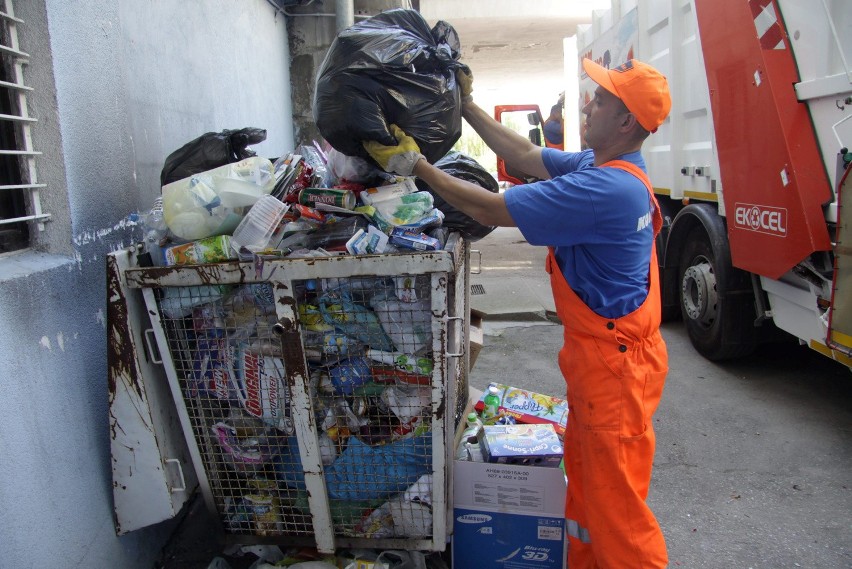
[(492, 402)]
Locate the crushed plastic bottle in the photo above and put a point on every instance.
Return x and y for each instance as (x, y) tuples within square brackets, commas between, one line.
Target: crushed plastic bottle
[(154, 229)]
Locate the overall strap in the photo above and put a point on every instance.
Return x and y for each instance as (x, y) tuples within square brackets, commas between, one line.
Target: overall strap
[(643, 177)]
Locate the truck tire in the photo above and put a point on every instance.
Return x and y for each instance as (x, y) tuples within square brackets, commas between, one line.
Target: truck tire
[(715, 301)]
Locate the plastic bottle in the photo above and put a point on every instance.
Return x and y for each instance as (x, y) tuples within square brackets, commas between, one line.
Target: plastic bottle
[(473, 426), (404, 362), (468, 437), (154, 229), (461, 452), (474, 451), (492, 402)]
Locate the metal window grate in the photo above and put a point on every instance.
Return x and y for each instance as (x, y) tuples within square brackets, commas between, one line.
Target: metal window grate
[(20, 204)]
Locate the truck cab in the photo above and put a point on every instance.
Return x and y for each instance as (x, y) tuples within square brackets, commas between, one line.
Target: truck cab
[(526, 120)]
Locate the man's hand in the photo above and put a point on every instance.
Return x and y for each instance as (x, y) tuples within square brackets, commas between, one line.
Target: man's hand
[(399, 159), (464, 77)]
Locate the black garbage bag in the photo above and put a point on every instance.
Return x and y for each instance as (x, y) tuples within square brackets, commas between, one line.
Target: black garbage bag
[(208, 151), (390, 69), (466, 168)]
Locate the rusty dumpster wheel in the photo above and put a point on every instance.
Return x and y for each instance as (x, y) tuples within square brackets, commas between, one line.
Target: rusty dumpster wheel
[(714, 301)]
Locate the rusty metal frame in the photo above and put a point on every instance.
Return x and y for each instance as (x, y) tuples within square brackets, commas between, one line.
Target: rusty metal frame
[(449, 273)]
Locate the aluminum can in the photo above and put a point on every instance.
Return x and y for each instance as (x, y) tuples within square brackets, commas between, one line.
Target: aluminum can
[(339, 198)]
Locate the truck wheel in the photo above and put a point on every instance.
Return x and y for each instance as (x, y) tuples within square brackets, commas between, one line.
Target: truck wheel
[(719, 323)]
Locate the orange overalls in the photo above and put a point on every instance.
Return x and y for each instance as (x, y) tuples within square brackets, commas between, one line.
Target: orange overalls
[(614, 370)]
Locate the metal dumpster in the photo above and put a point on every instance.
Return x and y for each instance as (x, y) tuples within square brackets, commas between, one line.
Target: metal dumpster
[(318, 396)]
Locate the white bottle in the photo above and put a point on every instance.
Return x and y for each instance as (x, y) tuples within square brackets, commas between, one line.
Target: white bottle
[(474, 451), (470, 432)]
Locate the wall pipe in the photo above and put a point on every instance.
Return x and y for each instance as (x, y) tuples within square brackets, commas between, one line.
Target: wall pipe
[(345, 13)]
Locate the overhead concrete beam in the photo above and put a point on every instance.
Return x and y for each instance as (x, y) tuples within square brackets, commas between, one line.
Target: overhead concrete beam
[(508, 9)]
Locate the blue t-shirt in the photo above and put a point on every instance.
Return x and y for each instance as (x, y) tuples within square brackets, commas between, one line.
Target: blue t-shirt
[(553, 131), (598, 220)]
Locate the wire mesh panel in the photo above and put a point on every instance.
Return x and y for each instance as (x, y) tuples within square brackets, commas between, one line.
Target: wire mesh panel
[(320, 394), (368, 344), (231, 374)]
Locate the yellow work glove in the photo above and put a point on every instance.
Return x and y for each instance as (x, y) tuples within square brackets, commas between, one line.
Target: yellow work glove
[(464, 77), (399, 159)]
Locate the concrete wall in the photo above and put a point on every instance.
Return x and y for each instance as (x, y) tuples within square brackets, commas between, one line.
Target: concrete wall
[(119, 85), (311, 34)]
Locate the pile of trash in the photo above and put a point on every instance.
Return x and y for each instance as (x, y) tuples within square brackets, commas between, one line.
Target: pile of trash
[(367, 341), (310, 202), (220, 201), (514, 426), (271, 557)]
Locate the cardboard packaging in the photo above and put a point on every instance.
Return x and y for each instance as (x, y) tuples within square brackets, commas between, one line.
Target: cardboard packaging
[(534, 445), (508, 516), (529, 407)]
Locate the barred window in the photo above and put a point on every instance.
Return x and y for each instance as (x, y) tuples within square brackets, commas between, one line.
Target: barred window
[(20, 207)]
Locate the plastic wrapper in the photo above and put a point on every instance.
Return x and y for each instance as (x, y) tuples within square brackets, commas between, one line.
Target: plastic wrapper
[(349, 374), (390, 69), (334, 236), (208, 151), (349, 168), (322, 176), (407, 324), (407, 401), (244, 443), (178, 302), (397, 518), (354, 320), (466, 168), (214, 202), (234, 374), (392, 467), (406, 209)]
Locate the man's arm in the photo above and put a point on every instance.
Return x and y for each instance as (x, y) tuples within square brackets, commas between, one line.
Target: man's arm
[(516, 150), (486, 207), (405, 159)]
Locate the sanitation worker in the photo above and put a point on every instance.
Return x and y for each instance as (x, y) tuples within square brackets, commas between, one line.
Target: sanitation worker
[(597, 213)]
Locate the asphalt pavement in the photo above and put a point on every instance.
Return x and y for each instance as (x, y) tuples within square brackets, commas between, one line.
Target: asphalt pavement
[(754, 456)]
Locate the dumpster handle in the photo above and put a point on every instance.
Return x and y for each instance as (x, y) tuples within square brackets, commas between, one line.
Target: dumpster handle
[(461, 321), (478, 270), (148, 333), (180, 473)]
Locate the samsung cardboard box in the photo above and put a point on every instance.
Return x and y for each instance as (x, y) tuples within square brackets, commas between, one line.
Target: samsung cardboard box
[(508, 516)]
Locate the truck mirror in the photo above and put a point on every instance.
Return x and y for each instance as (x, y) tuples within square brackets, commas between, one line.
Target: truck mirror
[(533, 119), (535, 136)]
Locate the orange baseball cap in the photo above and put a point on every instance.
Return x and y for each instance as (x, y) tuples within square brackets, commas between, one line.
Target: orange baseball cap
[(642, 89)]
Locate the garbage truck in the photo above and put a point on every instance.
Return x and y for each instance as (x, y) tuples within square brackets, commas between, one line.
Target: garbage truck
[(750, 168)]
